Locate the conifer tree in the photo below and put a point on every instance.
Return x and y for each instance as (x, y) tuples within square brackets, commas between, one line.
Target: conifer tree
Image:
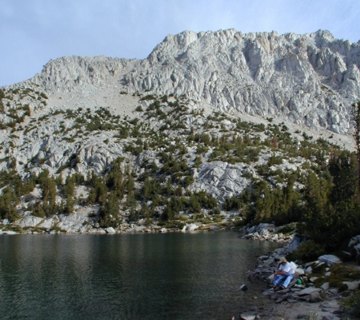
[(356, 117), (130, 188), (109, 212), (69, 189), (8, 202), (342, 170), (148, 189), (48, 188), (115, 180)]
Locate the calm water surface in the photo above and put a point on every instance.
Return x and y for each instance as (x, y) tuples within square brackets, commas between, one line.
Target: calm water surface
[(142, 276)]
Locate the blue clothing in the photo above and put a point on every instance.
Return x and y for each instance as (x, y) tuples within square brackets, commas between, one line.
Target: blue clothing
[(282, 280), (287, 274), (288, 280)]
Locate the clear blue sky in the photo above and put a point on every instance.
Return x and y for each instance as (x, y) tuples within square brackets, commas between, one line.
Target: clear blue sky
[(34, 31)]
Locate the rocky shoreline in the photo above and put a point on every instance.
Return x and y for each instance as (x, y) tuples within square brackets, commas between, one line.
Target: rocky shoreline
[(82, 222), (308, 298)]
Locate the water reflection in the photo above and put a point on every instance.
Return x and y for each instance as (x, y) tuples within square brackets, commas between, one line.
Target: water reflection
[(156, 276)]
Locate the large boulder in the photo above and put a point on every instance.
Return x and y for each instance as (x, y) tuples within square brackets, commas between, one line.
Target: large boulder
[(190, 227), (352, 285), (329, 259), (110, 230), (29, 222)]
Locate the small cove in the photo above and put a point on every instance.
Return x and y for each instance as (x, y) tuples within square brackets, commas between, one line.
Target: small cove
[(134, 276)]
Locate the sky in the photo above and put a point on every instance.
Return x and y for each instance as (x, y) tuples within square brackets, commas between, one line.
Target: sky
[(32, 32)]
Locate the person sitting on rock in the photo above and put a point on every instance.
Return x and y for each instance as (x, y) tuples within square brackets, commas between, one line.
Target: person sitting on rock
[(284, 274)]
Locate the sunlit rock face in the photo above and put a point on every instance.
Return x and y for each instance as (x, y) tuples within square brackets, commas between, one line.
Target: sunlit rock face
[(309, 79)]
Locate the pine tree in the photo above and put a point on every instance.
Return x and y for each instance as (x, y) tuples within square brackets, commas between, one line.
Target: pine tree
[(342, 169), (101, 192), (109, 213), (130, 189), (264, 201), (69, 190), (148, 189), (48, 188), (8, 202), (356, 117), (318, 210), (115, 179)]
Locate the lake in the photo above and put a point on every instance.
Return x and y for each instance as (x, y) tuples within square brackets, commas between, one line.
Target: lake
[(137, 276)]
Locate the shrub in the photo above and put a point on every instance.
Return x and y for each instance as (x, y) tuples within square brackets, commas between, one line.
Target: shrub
[(233, 203), (274, 160), (308, 251), (148, 97)]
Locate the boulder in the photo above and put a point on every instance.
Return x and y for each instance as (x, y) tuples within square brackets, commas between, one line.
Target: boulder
[(308, 270), (48, 223), (248, 316), (329, 259), (29, 221), (315, 297), (325, 286), (299, 271), (266, 231), (352, 285), (110, 230), (190, 227), (9, 232), (72, 223), (308, 291)]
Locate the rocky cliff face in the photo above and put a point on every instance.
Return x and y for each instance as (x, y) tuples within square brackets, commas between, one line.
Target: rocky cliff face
[(309, 79)]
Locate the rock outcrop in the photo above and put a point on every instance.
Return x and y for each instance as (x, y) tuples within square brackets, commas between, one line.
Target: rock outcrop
[(313, 291)]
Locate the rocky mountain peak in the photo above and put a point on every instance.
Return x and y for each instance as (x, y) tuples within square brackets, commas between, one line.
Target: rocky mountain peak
[(310, 79), (68, 73), (325, 35)]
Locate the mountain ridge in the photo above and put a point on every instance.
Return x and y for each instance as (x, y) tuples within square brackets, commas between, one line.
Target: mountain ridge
[(310, 79)]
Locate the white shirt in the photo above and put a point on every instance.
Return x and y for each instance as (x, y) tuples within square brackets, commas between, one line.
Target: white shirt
[(285, 267), (293, 267)]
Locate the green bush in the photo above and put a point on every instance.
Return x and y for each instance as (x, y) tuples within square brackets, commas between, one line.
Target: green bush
[(308, 251), (274, 160), (233, 203)]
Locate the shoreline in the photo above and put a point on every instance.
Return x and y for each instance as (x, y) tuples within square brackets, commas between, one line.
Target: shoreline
[(306, 301), (111, 231), (81, 222)]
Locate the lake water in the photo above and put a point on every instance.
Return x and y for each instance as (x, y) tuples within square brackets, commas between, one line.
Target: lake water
[(140, 276)]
